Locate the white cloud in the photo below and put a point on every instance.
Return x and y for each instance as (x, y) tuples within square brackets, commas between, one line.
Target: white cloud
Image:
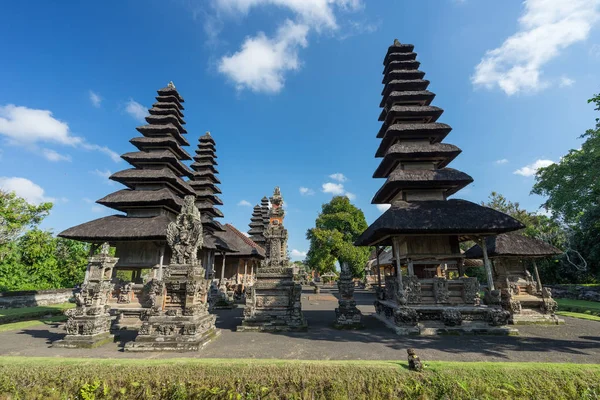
[(338, 177), (95, 99), (98, 208), (27, 127), (244, 203), (531, 169), (88, 200), (565, 81), (595, 50), (104, 175), (136, 110), (336, 189), (502, 161), (546, 27), (297, 254), (261, 62), (52, 155), (350, 196), (25, 188), (304, 191), (383, 207)]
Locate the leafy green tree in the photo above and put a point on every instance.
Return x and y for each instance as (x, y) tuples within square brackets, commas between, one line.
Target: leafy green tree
[(337, 227), (573, 184)]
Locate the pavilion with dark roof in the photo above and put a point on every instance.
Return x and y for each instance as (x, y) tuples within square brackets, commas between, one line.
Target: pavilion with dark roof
[(522, 294), (422, 225)]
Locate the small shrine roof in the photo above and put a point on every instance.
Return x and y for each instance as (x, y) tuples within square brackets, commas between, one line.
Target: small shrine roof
[(242, 243), (513, 245)]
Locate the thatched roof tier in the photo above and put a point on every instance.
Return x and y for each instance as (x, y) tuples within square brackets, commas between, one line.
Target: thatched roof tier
[(256, 230), (403, 64), (399, 57), (204, 184), (214, 242), (172, 112), (203, 176), (208, 195), (172, 107), (166, 119), (170, 99), (244, 246), (208, 157), (205, 166), (119, 228), (410, 115), (448, 179), (513, 245), (207, 138), (442, 217), (152, 159), (439, 153), (404, 86), (160, 143), (163, 130), (435, 132), (209, 209), (410, 98), (127, 199), (133, 177), (170, 90), (472, 263), (395, 51), (402, 75)]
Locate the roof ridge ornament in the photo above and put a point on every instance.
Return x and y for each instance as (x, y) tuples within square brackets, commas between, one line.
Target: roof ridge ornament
[(397, 42), (171, 85)]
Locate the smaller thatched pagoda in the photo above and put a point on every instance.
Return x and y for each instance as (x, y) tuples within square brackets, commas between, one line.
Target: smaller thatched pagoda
[(257, 226), (522, 294)]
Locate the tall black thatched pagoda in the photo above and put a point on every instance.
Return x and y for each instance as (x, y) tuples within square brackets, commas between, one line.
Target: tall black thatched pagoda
[(257, 226), (423, 225), (154, 191)]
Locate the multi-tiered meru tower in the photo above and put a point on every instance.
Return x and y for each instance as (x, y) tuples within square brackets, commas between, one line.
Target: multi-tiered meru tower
[(423, 225), (274, 301), (257, 226), (153, 196)]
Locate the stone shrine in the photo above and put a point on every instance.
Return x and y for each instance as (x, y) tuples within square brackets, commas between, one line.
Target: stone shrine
[(347, 315), (273, 303), (178, 319), (89, 323)]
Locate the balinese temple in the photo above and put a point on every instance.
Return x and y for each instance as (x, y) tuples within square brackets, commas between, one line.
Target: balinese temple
[(265, 208), (522, 292), (152, 197), (423, 226), (204, 181), (257, 226), (241, 263)]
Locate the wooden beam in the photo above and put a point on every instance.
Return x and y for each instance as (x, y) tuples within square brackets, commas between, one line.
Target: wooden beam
[(486, 263)]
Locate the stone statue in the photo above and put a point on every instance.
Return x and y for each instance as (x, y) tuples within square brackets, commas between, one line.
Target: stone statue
[(414, 362), (185, 234)]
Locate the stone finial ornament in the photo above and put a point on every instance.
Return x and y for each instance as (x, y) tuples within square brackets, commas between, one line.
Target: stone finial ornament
[(104, 249), (171, 85), (397, 42), (185, 234)]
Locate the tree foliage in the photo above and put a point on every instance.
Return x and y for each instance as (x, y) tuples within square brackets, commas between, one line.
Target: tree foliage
[(35, 259), (337, 227)]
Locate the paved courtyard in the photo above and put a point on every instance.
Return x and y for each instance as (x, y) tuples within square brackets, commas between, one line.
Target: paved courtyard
[(578, 341)]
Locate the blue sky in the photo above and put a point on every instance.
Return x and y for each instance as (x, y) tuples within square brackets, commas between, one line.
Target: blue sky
[(290, 91)]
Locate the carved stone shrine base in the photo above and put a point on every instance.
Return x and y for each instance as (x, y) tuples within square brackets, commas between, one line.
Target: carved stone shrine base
[(174, 333), (347, 315), (274, 303), (91, 331), (430, 320)]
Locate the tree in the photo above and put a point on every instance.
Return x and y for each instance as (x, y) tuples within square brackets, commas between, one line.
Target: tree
[(573, 184), (337, 227)]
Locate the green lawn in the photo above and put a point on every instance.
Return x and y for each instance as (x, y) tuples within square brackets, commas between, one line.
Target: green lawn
[(579, 306), (58, 378), (28, 313), (13, 326), (578, 315)]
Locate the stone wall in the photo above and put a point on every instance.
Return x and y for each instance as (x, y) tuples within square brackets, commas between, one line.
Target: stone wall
[(32, 298), (576, 292)]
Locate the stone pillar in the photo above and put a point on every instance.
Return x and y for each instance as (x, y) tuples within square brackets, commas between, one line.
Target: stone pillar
[(347, 315), (401, 298), (537, 276), (222, 282), (245, 272), (486, 263), (411, 268), (89, 323), (377, 253)]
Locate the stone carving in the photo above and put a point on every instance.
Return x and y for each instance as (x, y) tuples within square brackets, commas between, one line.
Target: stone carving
[(498, 316), (89, 322), (276, 234), (471, 291), (406, 315), (509, 302), (451, 317), (414, 362), (185, 234), (125, 293), (440, 290), (412, 287), (492, 297), (347, 314)]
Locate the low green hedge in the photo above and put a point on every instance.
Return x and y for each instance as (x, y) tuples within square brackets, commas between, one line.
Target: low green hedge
[(52, 378), (579, 306), (27, 313)]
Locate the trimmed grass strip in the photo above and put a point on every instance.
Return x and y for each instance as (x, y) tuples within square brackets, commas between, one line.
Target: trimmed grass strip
[(579, 306), (13, 326), (578, 315), (28, 313), (56, 378)]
